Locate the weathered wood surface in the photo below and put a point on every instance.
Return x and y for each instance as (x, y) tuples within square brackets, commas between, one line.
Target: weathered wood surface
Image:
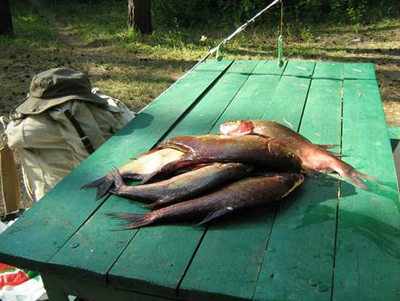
[(327, 241), (43, 230)]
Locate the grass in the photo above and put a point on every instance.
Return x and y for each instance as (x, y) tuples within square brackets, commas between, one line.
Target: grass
[(30, 29), (134, 68)]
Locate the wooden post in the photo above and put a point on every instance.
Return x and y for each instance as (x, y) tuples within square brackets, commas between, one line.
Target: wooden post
[(139, 15)]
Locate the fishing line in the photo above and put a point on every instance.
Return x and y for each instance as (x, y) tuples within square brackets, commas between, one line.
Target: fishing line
[(218, 49), (280, 40)]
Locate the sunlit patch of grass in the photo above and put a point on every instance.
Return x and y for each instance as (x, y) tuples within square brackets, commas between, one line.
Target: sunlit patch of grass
[(139, 66), (30, 29), (136, 83)]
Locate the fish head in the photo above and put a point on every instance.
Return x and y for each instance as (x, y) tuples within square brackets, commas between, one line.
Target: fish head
[(237, 127)]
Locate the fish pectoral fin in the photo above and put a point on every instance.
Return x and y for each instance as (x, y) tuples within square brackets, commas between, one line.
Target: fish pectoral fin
[(216, 214), (328, 146), (165, 201), (148, 177), (337, 155)]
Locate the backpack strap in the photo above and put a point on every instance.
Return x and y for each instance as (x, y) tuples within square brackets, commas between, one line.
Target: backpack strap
[(84, 138)]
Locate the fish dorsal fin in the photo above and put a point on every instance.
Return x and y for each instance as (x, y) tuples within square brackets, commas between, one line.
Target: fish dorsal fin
[(216, 214)]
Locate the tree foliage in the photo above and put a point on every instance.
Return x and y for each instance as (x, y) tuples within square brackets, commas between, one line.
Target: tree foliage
[(194, 12)]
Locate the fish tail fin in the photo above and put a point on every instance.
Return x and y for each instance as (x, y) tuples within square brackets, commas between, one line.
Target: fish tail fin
[(357, 178), (118, 181), (103, 185), (134, 221)]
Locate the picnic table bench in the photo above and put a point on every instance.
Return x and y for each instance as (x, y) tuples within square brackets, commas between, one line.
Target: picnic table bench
[(328, 240)]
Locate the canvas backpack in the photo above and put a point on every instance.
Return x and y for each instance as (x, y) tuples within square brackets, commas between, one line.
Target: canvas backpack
[(60, 123)]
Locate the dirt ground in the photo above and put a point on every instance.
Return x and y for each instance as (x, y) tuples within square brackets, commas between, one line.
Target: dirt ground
[(380, 46)]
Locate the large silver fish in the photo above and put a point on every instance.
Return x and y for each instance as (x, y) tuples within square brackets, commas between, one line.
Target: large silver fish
[(269, 153), (315, 158), (249, 192), (190, 184)]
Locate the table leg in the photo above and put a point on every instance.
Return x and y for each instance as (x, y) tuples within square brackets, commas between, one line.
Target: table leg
[(59, 288), (54, 291)]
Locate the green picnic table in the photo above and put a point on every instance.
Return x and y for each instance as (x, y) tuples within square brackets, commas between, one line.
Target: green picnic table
[(327, 241)]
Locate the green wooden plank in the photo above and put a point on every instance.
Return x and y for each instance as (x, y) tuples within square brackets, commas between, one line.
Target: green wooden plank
[(251, 100), (40, 232), (230, 255), (300, 68), (368, 245), (329, 70), (157, 257), (206, 270), (289, 97), (209, 109), (58, 288), (359, 71), (86, 255), (299, 258)]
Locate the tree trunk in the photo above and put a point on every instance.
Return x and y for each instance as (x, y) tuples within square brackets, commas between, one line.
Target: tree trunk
[(326, 6), (5, 18), (139, 15)]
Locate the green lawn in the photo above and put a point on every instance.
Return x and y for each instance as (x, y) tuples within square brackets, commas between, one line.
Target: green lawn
[(94, 38)]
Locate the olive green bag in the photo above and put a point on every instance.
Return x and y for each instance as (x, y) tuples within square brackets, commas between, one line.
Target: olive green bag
[(60, 123)]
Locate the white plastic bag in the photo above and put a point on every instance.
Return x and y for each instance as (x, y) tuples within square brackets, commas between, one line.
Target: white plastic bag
[(30, 290)]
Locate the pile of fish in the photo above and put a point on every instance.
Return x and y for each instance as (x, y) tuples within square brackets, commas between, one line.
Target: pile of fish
[(249, 163)]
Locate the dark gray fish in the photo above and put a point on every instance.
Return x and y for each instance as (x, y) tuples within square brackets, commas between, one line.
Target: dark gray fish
[(249, 192), (248, 149), (183, 186)]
